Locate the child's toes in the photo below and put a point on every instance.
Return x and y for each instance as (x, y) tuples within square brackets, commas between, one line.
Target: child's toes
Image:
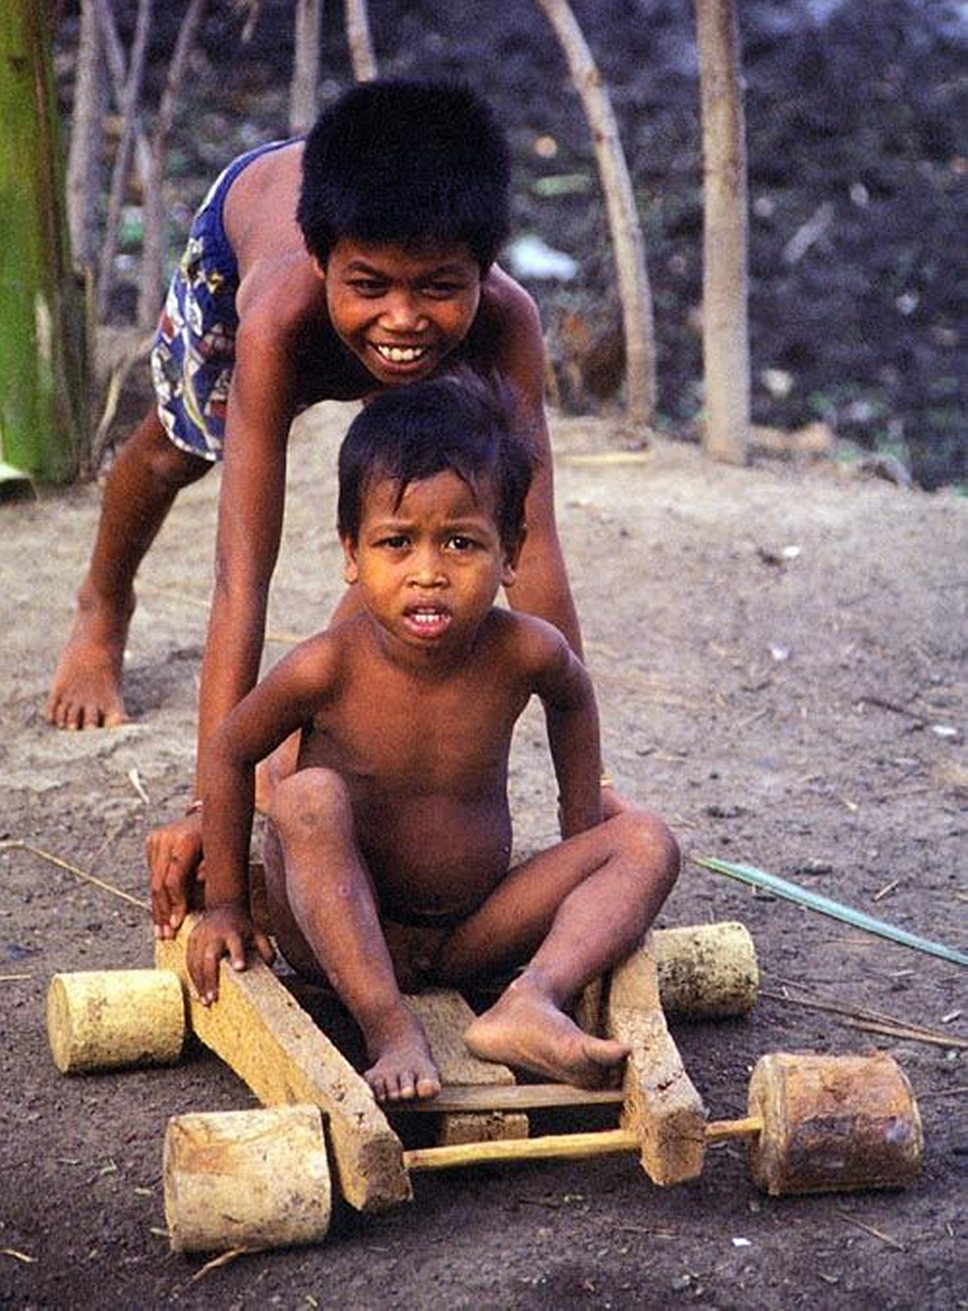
[(428, 1086)]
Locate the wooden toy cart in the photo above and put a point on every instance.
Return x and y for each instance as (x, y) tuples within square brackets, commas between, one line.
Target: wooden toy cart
[(264, 1178)]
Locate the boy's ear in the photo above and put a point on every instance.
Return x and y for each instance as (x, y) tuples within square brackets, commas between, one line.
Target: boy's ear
[(319, 268), (511, 557), (351, 569)]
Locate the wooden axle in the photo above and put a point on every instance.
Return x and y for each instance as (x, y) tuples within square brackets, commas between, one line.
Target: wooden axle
[(562, 1146)]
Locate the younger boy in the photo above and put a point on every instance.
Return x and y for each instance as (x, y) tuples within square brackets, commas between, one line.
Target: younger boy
[(388, 849), (335, 267)]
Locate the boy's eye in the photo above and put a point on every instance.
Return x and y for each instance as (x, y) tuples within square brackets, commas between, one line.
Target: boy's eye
[(441, 290), (461, 542), (368, 286), (395, 542)]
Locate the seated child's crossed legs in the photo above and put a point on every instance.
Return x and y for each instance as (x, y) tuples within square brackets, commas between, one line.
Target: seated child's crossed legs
[(564, 916)]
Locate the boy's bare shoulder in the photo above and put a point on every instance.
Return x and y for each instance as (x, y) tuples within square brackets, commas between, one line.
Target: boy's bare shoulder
[(281, 292), (332, 647), (505, 302), (507, 325), (284, 326), (533, 644)]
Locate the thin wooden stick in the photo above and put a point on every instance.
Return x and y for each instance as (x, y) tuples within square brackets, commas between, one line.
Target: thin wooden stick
[(935, 1093), (869, 1229), (860, 1018), (635, 293), (216, 1263), (14, 844), (912, 1035)]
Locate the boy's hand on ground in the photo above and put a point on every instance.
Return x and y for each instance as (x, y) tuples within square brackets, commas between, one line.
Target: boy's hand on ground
[(224, 931), (174, 854)]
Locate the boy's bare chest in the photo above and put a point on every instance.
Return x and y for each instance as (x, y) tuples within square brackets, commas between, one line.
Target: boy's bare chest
[(421, 739)]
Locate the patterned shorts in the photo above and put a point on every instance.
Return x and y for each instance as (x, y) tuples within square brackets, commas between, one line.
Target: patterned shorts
[(194, 349)]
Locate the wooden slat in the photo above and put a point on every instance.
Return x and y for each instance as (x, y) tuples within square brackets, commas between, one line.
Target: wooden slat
[(273, 1046), (445, 1016), (516, 1097), (662, 1108)]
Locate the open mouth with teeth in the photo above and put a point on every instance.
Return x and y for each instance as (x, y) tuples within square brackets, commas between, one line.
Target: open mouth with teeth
[(400, 354), (427, 621)]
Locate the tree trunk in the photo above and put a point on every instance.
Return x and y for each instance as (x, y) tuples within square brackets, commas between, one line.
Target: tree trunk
[(627, 243), (87, 139), (726, 364), (358, 39), (305, 66), (122, 160), (44, 419), (153, 250)]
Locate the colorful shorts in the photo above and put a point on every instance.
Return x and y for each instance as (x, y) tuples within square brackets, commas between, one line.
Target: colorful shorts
[(194, 349)]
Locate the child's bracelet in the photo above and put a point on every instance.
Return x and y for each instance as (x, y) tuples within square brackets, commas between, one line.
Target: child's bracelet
[(194, 807)]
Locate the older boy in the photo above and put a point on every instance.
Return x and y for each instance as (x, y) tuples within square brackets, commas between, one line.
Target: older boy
[(357, 260), (389, 851)]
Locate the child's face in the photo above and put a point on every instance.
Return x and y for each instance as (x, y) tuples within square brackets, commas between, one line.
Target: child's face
[(401, 311), (428, 568)]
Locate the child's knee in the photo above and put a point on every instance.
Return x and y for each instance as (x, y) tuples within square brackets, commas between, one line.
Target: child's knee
[(171, 467), (308, 803), (649, 846)]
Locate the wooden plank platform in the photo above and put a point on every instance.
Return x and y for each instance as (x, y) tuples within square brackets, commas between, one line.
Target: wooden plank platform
[(445, 1016)]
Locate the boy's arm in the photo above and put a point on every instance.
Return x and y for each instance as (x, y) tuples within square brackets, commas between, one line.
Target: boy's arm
[(284, 700), (260, 410), (541, 587), (565, 688)]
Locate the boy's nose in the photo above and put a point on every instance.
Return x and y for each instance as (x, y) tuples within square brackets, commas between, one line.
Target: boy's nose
[(426, 570), (401, 312)]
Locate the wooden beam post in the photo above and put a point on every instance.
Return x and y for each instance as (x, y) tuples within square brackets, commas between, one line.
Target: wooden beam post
[(662, 1108), (274, 1047)]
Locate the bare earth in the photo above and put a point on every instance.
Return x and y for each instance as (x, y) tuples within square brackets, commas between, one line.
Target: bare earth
[(797, 709)]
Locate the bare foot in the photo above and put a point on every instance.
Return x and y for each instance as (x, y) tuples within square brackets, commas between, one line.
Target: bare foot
[(403, 1067), (86, 692), (524, 1028)]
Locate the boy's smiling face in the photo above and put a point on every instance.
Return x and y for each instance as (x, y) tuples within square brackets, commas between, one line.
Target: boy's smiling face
[(428, 568), (400, 310)]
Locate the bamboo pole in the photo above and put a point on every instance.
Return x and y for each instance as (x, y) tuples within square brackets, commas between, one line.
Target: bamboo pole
[(359, 41), (152, 256), (122, 161), (627, 244), (87, 138), (726, 365), (305, 65)]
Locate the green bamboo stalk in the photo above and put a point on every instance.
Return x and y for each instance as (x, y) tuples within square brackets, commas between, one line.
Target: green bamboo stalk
[(858, 919), (44, 415)]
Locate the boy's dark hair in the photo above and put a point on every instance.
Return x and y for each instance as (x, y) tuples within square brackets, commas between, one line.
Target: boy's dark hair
[(406, 162), (460, 423)]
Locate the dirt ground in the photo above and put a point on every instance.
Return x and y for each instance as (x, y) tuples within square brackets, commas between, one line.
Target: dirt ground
[(778, 652)]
